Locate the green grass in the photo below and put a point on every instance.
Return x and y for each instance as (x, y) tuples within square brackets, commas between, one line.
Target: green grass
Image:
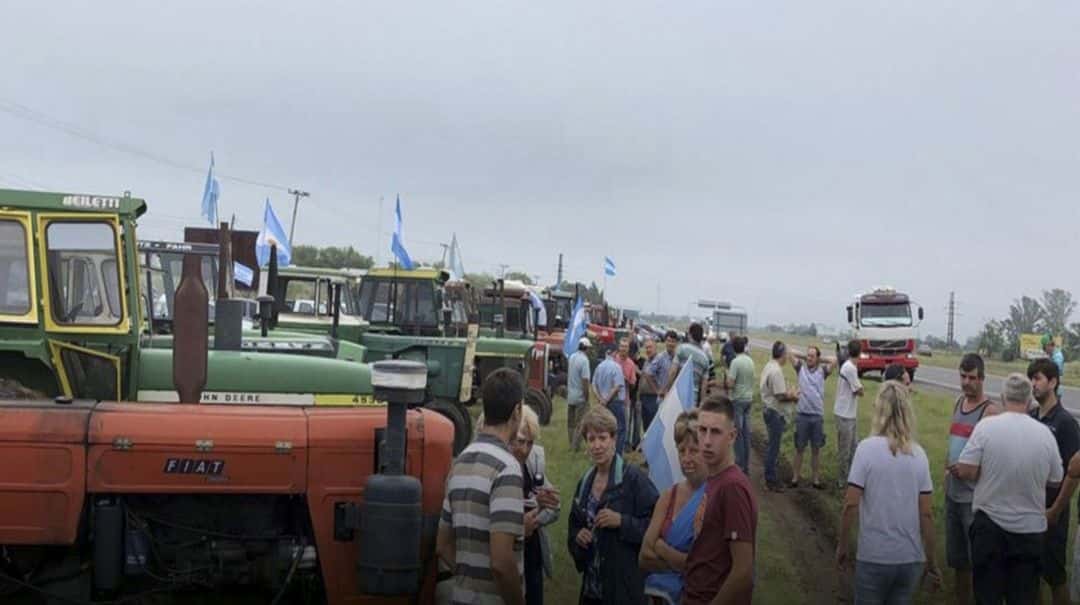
[(933, 414)]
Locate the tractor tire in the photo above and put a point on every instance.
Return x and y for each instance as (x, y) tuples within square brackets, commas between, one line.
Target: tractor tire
[(459, 418), (540, 403)]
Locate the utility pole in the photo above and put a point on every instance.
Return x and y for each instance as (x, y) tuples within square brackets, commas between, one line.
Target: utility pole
[(952, 320), (558, 273), (296, 204), (502, 270)]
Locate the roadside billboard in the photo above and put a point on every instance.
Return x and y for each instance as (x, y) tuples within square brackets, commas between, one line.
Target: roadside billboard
[(1031, 346)]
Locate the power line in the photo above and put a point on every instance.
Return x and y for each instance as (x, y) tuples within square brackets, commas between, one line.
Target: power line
[(21, 111)]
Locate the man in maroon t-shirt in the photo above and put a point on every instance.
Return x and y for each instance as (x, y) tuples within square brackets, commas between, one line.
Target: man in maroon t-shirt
[(720, 564)]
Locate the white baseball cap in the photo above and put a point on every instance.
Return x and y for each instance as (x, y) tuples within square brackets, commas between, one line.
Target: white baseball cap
[(585, 342)]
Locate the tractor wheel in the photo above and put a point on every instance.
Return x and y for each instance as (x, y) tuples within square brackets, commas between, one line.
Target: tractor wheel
[(459, 418), (540, 403)]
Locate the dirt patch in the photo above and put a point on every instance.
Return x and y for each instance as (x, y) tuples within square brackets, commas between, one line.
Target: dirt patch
[(810, 519)]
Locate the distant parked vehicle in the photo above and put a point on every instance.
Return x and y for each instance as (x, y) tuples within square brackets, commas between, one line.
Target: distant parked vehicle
[(925, 350)]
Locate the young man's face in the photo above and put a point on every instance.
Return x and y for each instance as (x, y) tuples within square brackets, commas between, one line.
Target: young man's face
[(716, 436), (624, 347), (671, 344), (812, 355), (971, 383), (1042, 387), (650, 348)]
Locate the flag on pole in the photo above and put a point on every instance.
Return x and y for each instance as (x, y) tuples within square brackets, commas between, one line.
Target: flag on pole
[(658, 444), (397, 244), (272, 233), (609, 266), (457, 270), (243, 273), (538, 306), (576, 329), (211, 190)]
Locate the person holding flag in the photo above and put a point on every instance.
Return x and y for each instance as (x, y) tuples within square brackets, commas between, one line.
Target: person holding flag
[(579, 372)]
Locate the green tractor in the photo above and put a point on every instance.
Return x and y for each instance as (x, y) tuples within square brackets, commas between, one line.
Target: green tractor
[(402, 314), (76, 322)]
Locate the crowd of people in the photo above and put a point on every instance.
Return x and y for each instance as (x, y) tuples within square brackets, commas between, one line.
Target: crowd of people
[(1011, 469)]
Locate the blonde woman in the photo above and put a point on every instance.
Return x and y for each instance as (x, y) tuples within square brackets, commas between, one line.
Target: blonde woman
[(539, 510), (671, 531), (890, 488)]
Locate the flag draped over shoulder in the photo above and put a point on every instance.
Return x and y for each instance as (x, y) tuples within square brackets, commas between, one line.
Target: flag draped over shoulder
[(658, 445)]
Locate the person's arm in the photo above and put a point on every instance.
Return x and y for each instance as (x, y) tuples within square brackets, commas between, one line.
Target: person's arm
[(967, 465), (741, 577), (504, 569), (675, 559), (648, 558), (548, 514), (1068, 487), (926, 528), (852, 499), (578, 536), (853, 380), (445, 545), (732, 374), (507, 524)]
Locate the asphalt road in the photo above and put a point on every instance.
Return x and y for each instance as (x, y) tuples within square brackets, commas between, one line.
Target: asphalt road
[(944, 378)]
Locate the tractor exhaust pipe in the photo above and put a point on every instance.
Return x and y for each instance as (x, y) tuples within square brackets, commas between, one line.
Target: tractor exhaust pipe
[(391, 526)]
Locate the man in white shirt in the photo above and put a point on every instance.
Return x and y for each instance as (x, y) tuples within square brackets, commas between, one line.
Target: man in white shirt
[(1012, 458), (845, 411)]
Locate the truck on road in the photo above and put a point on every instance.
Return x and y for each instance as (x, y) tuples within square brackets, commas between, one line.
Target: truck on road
[(885, 326)]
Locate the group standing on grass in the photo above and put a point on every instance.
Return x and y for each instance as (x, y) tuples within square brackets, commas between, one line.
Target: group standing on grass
[(1010, 472)]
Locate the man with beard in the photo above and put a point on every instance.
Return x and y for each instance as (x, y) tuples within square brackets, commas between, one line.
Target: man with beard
[(1044, 377), (969, 409)]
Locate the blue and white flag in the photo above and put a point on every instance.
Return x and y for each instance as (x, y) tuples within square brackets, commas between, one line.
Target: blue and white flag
[(609, 266), (658, 444), (576, 329), (457, 270), (210, 193), (272, 233), (243, 273), (397, 244)]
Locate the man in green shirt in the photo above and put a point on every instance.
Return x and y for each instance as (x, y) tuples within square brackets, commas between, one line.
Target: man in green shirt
[(740, 381)]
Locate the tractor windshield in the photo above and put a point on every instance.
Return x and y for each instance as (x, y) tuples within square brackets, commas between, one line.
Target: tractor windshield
[(14, 269), (403, 302), (85, 282)]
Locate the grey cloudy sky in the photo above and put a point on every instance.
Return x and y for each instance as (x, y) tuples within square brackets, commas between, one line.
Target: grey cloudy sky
[(779, 155)]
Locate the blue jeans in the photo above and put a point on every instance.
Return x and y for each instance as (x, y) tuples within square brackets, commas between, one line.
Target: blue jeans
[(618, 407), (877, 584), (775, 423), (742, 436)]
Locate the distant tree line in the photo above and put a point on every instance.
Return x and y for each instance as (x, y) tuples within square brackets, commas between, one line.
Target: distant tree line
[(1027, 315), (330, 257)]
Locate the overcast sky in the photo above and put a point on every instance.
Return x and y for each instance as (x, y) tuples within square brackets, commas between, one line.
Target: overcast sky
[(779, 155)]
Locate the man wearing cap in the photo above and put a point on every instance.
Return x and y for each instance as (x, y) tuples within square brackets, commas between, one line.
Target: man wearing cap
[(577, 391)]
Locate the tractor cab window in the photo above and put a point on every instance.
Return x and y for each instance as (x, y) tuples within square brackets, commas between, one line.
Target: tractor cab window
[(83, 273), (413, 302), (14, 273)]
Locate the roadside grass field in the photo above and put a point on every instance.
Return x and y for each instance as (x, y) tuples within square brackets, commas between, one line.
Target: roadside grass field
[(933, 414)]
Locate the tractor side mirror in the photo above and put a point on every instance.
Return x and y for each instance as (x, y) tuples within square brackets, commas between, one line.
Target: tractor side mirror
[(920, 314), (850, 314), (266, 311)]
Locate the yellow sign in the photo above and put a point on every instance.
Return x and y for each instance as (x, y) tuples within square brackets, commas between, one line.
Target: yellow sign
[(1031, 346)]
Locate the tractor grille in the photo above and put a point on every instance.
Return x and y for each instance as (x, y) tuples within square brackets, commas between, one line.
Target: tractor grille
[(888, 346)]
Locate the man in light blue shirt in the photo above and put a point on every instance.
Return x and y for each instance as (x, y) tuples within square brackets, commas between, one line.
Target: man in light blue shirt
[(577, 391), (609, 388), (1056, 356)]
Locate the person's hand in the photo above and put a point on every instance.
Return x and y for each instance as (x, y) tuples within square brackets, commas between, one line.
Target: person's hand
[(583, 538), (932, 575), (842, 558), (1053, 514), (548, 497), (531, 522), (608, 518)]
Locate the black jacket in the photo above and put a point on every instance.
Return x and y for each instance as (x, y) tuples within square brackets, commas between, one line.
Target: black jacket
[(631, 494)]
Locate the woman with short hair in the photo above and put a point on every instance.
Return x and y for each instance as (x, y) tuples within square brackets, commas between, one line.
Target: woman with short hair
[(612, 506), (890, 488), (671, 530)]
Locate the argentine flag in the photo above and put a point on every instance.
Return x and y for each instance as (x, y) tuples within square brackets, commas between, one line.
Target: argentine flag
[(609, 266), (575, 330), (272, 233), (658, 445), (397, 243)]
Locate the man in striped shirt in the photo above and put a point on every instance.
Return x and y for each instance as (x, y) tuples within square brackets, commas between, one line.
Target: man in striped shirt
[(482, 529)]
